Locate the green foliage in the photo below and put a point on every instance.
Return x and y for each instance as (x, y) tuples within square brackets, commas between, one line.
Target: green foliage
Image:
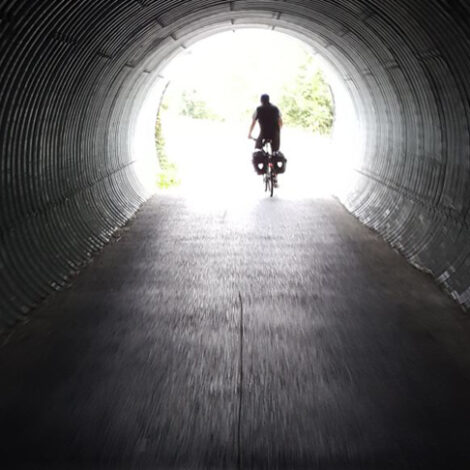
[(195, 107), (168, 175), (307, 102)]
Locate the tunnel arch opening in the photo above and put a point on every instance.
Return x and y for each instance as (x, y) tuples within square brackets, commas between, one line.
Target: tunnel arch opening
[(79, 83), (340, 152), (350, 133)]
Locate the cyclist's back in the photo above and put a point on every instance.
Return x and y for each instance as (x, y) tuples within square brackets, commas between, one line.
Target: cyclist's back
[(268, 118), (270, 122)]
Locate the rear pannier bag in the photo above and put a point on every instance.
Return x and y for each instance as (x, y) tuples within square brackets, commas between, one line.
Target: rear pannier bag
[(260, 162), (279, 163)]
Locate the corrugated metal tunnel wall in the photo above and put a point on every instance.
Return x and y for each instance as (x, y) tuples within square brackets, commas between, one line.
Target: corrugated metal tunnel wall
[(74, 76)]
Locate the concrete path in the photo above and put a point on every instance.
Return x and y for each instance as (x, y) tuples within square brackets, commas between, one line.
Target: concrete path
[(279, 335)]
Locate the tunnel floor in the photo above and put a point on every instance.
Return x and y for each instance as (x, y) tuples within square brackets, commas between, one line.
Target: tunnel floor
[(278, 335)]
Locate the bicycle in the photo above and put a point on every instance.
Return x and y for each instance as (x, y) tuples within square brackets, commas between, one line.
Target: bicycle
[(269, 178)]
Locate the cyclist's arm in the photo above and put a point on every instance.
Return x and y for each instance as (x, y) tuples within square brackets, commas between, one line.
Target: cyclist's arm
[(280, 122), (251, 129)]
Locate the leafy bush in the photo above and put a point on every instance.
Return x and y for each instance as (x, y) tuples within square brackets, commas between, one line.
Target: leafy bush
[(195, 107), (168, 175), (307, 102)]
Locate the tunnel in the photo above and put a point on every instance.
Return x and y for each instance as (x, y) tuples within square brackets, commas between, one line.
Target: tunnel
[(78, 77), (136, 332)]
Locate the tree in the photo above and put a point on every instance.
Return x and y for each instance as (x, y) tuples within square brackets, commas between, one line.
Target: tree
[(307, 102), (195, 107)]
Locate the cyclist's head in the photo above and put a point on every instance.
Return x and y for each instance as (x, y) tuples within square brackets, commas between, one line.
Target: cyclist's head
[(265, 99)]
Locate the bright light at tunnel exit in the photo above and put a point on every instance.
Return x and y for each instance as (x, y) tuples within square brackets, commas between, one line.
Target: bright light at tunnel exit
[(227, 72)]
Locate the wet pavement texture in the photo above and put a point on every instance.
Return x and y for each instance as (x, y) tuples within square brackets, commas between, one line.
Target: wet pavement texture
[(278, 335)]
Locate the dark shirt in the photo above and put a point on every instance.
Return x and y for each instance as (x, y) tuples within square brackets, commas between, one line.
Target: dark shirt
[(268, 117)]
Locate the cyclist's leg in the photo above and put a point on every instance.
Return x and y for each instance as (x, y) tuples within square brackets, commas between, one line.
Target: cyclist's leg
[(259, 142), (276, 141), (275, 144)]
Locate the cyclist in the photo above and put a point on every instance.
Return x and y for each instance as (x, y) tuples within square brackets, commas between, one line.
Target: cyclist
[(270, 122)]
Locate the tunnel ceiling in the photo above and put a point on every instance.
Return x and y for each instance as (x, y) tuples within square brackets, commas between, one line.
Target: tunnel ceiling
[(74, 76)]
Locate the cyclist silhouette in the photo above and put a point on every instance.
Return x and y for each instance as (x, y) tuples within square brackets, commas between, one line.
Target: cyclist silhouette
[(270, 122)]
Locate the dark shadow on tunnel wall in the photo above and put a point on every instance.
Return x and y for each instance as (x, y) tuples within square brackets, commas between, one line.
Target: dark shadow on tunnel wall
[(74, 76)]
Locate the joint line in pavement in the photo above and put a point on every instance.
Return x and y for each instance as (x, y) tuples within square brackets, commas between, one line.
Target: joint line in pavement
[(240, 388)]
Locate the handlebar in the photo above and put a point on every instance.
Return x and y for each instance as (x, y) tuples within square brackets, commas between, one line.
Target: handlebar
[(265, 141)]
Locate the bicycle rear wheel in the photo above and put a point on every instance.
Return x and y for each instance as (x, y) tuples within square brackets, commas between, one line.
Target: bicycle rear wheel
[(271, 182)]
